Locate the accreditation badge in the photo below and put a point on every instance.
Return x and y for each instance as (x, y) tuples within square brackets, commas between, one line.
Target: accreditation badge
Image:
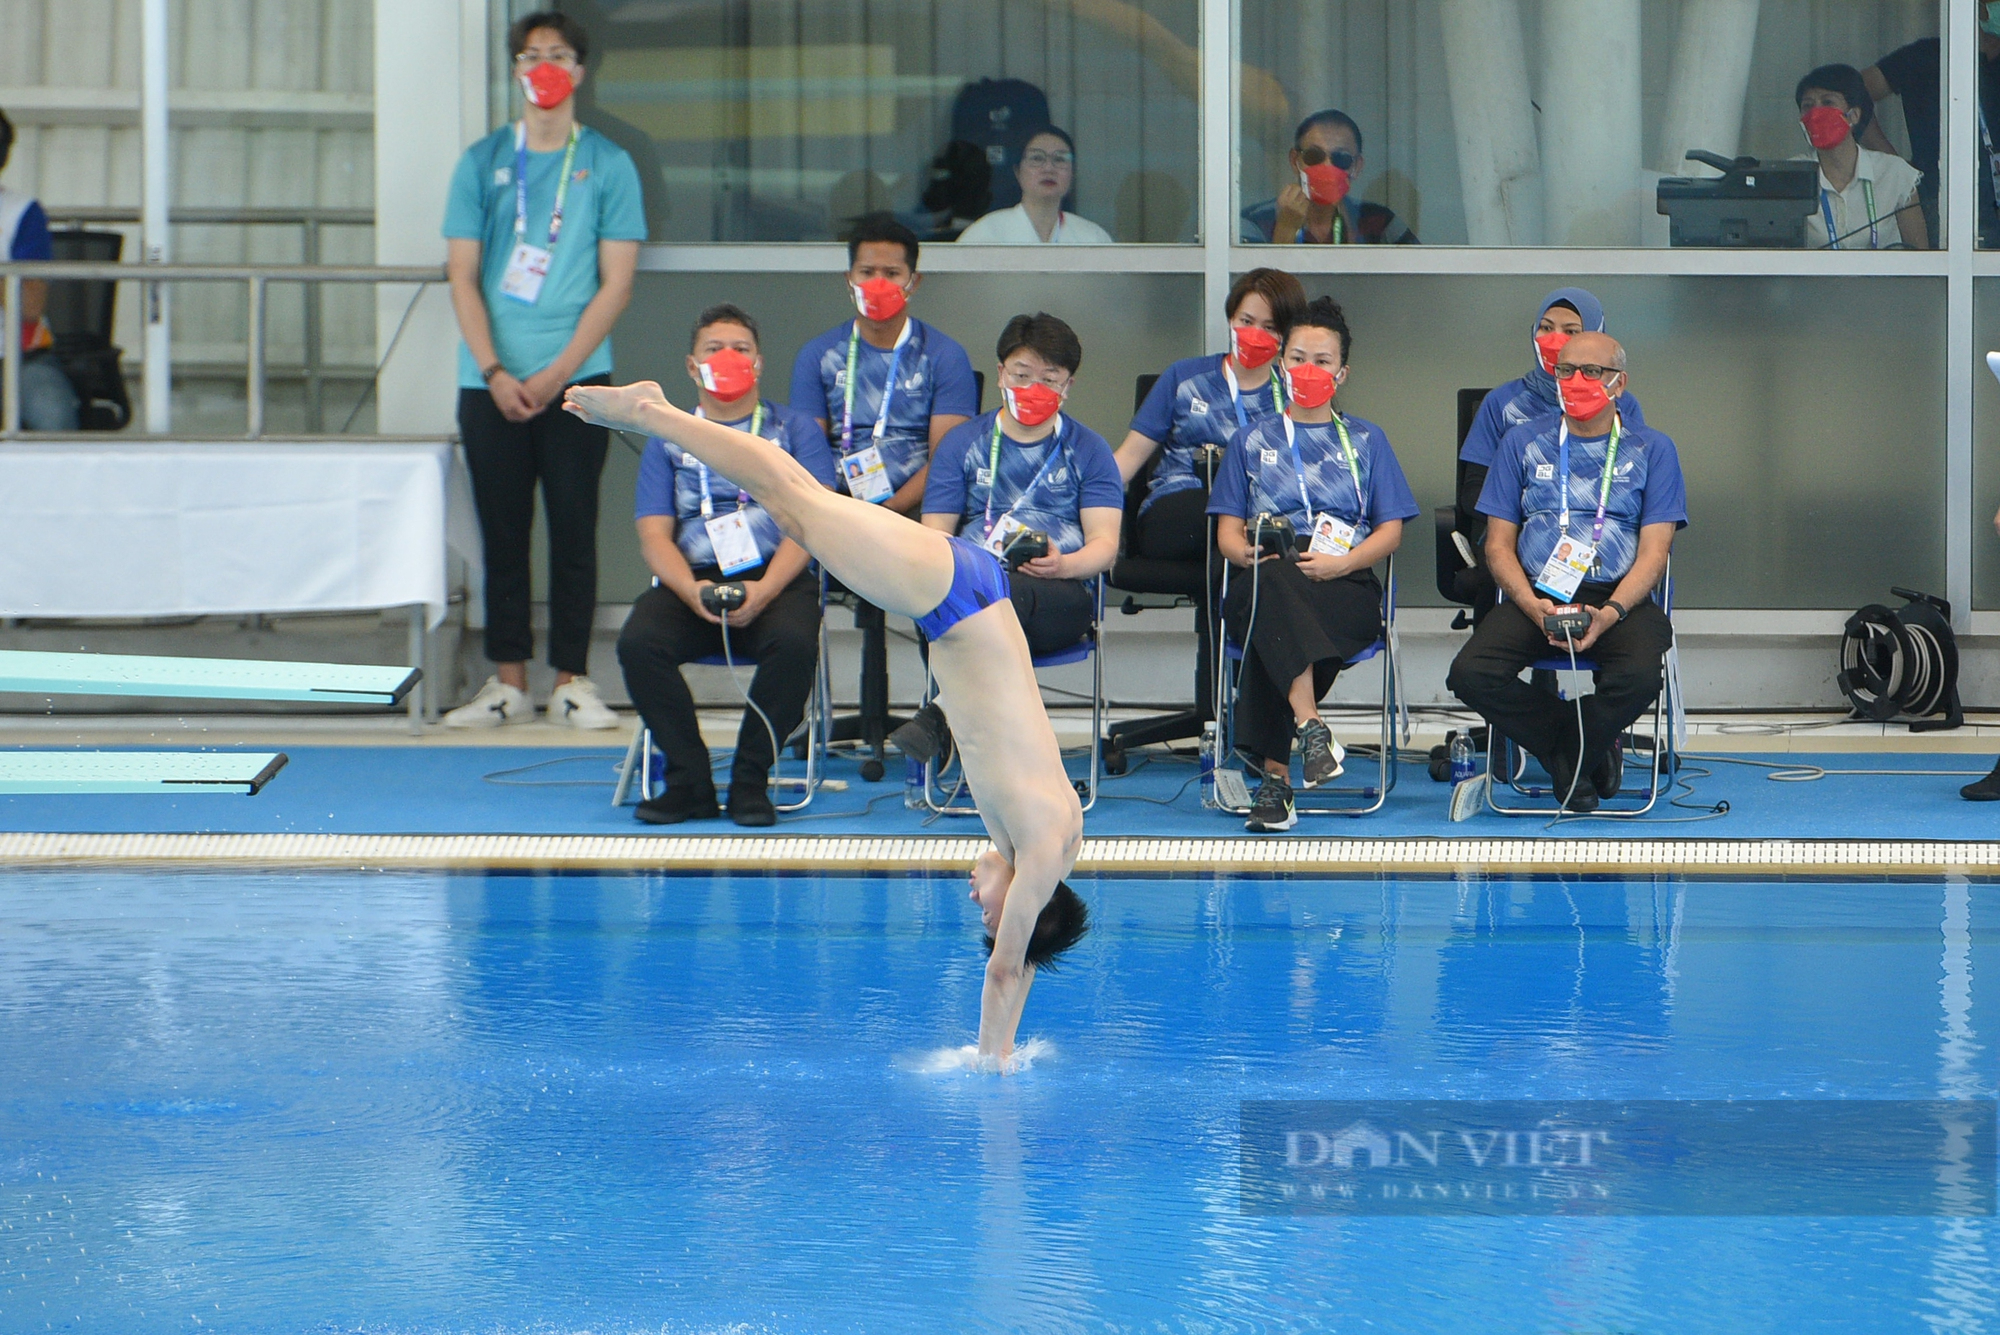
[(1330, 536), (735, 545), (1563, 572), (867, 478), (527, 269)]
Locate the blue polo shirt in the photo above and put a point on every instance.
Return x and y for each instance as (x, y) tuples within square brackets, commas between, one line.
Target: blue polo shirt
[(603, 204), (933, 379), (1258, 476), (670, 483), (1523, 488), (1045, 485), (1191, 406), (1517, 403)]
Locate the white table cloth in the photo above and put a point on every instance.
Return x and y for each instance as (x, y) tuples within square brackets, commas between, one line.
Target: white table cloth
[(134, 529)]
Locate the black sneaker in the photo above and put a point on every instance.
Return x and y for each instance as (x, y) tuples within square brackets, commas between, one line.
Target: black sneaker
[(1321, 754), (1271, 811), (750, 804), (1607, 776), (677, 805), (1985, 790), (925, 737)]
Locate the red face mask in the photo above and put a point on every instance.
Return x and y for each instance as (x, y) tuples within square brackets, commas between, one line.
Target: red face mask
[(547, 85), (1251, 346), (1032, 405), (880, 299), (1825, 126), (1325, 183), (728, 375), (1582, 399), (1548, 347), (1310, 386)]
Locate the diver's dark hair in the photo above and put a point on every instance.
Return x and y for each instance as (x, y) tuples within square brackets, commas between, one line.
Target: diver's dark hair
[(1325, 313), (1063, 922)]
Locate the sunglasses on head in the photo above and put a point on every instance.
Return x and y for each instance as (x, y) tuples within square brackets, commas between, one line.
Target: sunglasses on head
[(1313, 156)]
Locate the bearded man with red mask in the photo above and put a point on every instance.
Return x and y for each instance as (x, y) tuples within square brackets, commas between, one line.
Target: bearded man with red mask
[(1028, 467), (1315, 204), (698, 529), (1581, 510), (543, 227), (1868, 200)]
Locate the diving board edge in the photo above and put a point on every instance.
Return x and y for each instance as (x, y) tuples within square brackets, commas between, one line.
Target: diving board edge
[(854, 855)]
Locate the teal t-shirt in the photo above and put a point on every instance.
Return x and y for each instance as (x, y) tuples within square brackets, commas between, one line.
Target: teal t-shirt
[(603, 204)]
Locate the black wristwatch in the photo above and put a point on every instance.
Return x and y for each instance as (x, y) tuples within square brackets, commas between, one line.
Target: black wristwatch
[(1617, 607)]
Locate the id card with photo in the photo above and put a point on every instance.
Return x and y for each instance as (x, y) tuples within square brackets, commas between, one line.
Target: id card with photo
[(735, 545), (867, 478), (1331, 537), (1565, 569), (1002, 534), (527, 270)]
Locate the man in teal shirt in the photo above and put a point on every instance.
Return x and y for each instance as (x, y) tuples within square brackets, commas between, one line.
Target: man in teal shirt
[(543, 223)]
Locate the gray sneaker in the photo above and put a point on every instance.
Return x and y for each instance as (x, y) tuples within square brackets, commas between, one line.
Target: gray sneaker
[(1322, 754), (1272, 811)]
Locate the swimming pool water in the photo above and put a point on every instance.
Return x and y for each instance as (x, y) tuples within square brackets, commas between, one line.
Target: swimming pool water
[(277, 1101)]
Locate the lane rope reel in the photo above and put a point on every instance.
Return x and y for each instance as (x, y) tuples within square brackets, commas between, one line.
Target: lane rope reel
[(1902, 663)]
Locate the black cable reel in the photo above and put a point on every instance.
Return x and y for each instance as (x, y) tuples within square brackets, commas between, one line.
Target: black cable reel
[(1902, 663)]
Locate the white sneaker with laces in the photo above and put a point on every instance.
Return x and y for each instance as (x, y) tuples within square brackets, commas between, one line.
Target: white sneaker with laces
[(577, 703), (497, 703)]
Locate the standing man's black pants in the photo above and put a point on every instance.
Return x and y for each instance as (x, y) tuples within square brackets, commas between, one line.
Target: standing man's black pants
[(783, 643), (1486, 675), (506, 459)]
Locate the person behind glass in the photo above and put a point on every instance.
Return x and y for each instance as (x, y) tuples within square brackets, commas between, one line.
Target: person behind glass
[(48, 399), (1302, 616), (911, 384), (698, 529), (1314, 207), (1581, 511), (1022, 470), (543, 224), (1200, 404), (1867, 199), (1047, 173), (1914, 73), (1566, 312)]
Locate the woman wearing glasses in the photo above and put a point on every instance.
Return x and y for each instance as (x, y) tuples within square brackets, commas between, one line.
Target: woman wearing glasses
[(1047, 173), (1314, 207)]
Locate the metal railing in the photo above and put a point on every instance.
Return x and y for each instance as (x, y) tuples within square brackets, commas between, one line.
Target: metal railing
[(256, 276)]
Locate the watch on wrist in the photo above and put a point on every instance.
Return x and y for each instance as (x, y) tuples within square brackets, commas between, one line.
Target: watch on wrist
[(1617, 607), (491, 371)]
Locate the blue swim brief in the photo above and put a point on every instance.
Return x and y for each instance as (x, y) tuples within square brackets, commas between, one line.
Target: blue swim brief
[(978, 581)]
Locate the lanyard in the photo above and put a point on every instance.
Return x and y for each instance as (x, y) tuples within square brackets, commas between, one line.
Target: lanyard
[(1603, 483), (521, 184), (993, 470), (1353, 467), (1236, 395), (1833, 232), (742, 496), (888, 386), (1336, 236)]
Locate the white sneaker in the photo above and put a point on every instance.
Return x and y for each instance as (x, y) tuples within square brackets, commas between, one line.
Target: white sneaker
[(497, 703), (576, 703)]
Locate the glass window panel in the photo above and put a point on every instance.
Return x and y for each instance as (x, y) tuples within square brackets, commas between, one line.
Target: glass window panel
[(1985, 466), (1808, 485), (781, 120), (1517, 122)]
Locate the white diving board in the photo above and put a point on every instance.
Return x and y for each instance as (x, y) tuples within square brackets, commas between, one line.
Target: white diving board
[(32, 673), (246, 772)]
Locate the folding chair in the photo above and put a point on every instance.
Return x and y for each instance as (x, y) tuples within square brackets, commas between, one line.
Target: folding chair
[(1371, 796), (1090, 647), (636, 771), (1667, 723)]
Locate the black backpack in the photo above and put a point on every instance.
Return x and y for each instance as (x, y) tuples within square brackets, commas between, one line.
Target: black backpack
[(1903, 662)]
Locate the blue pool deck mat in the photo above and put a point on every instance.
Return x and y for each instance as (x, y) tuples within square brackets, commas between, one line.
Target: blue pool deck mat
[(34, 673), (120, 772)]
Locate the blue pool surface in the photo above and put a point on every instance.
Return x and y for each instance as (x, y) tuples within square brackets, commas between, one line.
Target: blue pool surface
[(328, 1102)]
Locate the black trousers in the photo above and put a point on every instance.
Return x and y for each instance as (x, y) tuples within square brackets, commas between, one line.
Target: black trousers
[(1054, 613), (663, 633), (1300, 623), (1486, 675), (1174, 528), (507, 459)]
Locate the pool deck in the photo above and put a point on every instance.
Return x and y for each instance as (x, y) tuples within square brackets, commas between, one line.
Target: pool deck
[(362, 790)]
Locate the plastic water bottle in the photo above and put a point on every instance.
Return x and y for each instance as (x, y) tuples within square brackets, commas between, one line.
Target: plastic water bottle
[(913, 783), (1208, 764), (1461, 757)]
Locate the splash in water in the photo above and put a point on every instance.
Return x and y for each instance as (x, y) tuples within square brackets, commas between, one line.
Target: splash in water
[(954, 1061)]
